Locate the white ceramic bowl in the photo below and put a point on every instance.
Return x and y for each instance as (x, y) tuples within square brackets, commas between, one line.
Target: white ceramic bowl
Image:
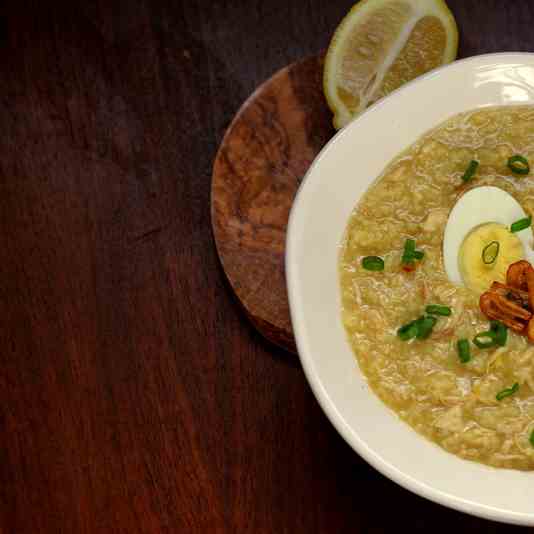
[(328, 194)]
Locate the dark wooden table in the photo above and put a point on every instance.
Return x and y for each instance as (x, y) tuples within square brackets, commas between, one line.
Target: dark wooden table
[(134, 397)]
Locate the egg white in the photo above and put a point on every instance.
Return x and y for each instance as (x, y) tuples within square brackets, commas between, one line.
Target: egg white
[(485, 204)]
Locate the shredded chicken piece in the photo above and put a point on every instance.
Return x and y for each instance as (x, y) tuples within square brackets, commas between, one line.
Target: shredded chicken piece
[(451, 420), (444, 292), (435, 220), (451, 400), (378, 320), (422, 288), (504, 457), (524, 376), (457, 313), (446, 329), (525, 448), (507, 445), (357, 292), (524, 373), (495, 358)]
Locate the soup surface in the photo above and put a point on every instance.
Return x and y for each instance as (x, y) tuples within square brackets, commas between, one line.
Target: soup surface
[(423, 380)]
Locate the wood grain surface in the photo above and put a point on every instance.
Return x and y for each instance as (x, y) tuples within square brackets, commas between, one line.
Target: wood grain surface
[(134, 395), (260, 164)]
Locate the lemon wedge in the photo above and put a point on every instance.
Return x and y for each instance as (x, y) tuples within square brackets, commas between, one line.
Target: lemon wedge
[(382, 44)]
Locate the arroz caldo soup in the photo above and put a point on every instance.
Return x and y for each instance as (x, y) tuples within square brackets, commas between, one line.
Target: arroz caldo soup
[(437, 289)]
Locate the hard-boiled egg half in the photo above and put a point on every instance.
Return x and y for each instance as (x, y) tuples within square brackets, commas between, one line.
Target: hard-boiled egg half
[(478, 245)]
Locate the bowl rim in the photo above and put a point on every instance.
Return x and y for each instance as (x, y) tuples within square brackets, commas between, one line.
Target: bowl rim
[(402, 478)]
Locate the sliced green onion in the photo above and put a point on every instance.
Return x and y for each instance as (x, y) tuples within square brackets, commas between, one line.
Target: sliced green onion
[(464, 352), (507, 392), (409, 246), (470, 171), (425, 324), (518, 164), (501, 333), (373, 263), (490, 252), (418, 254), (521, 224), (421, 328), (409, 254), (408, 331), (436, 309), (531, 439), (409, 249), (485, 340)]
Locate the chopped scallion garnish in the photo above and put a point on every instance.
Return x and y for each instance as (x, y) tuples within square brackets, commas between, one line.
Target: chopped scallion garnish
[(470, 171), (521, 224), (409, 249), (485, 340), (409, 254), (421, 328), (464, 352), (408, 331), (507, 392), (531, 439), (518, 164), (501, 333), (436, 309), (373, 263), (490, 252), (425, 326)]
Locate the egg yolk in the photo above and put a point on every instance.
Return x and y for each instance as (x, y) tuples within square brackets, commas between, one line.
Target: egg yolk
[(477, 271)]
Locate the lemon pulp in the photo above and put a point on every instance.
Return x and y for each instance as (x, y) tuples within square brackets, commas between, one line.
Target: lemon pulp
[(382, 44)]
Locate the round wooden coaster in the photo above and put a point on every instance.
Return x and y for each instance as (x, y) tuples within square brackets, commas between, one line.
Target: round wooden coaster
[(265, 152)]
